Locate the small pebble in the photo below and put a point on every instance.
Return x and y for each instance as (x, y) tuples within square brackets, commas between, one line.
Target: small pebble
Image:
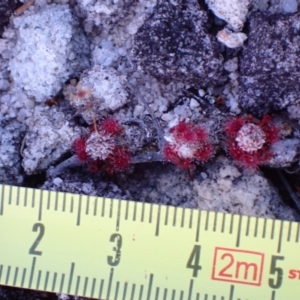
[(203, 175), (194, 104), (4, 85), (234, 75), (290, 6), (57, 181), (201, 93), (231, 65), (231, 39)]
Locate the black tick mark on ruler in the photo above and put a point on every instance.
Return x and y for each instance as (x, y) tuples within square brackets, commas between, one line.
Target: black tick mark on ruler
[(79, 211)]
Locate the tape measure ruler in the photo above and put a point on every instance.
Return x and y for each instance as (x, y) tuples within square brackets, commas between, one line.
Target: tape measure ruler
[(123, 250)]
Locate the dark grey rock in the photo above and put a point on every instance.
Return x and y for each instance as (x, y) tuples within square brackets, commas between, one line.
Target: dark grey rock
[(94, 14), (220, 187), (86, 183), (174, 45), (160, 183), (6, 9), (285, 152), (50, 135), (270, 63), (9, 293), (11, 137)]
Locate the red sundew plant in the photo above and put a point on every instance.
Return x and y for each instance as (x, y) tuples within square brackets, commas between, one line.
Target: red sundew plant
[(186, 144), (119, 160), (249, 140), (79, 148), (99, 149), (111, 126)]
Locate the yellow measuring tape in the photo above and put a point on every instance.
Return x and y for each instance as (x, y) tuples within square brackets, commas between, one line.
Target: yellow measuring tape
[(124, 250)]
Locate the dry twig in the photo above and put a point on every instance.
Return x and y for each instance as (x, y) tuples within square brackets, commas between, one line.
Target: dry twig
[(160, 133), (23, 7)]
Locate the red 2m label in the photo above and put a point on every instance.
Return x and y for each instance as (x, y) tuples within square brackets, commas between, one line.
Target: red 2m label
[(239, 266)]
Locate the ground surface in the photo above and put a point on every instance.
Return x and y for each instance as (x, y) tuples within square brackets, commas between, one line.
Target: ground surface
[(66, 65)]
